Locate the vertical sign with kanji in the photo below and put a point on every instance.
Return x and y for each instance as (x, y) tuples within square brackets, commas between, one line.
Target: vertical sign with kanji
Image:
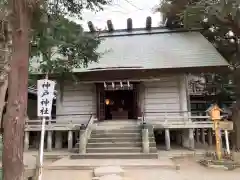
[(45, 97)]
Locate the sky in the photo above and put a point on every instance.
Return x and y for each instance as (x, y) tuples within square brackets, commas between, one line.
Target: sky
[(119, 11)]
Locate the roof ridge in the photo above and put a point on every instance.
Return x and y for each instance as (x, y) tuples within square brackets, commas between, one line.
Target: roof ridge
[(142, 31)]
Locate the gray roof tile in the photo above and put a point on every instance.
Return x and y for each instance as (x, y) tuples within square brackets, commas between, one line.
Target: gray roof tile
[(157, 51)]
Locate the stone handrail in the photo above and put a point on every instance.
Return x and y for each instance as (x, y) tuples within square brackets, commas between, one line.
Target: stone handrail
[(145, 138), (85, 135), (89, 126)]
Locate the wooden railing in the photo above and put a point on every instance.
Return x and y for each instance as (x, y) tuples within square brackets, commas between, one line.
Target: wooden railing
[(58, 124), (174, 115), (172, 119), (183, 119)]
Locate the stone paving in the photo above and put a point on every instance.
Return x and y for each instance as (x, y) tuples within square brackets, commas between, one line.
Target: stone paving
[(189, 169), (81, 164)]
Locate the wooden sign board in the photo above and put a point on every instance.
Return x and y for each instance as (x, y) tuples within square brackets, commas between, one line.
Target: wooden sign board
[(225, 125), (45, 92)]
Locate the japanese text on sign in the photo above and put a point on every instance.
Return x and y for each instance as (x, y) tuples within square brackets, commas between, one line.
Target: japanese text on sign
[(45, 97)]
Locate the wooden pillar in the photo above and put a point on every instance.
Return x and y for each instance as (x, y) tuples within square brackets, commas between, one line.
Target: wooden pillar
[(37, 140), (191, 139), (70, 140), (179, 138), (26, 140), (197, 135), (210, 134), (183, 96), (76, 135), (49, 141), (100, 101), (58, 140), (203, 136), (167, 139)]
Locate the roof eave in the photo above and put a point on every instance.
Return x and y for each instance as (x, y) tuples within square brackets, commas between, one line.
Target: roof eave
[(196, 69)]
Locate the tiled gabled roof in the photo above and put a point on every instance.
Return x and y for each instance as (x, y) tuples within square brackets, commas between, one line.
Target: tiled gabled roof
[(157, 51), (158, 48)]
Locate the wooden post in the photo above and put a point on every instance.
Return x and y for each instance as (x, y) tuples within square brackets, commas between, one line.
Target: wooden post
[(210, 137), (179, 138), (70, 140), (183, 96), (76, 136), (167, 139), (214, 112), (37, 140), (218, 139), (197, 135), (26, 141), (41, 150), (49, 141), (191, 139), (227, 141), (203, 136), (58, 140)]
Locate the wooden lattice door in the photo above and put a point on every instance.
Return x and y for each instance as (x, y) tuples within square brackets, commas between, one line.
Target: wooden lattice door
[(100, 102), (135, 100)]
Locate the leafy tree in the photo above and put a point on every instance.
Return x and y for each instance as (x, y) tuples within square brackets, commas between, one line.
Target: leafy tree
[(60, 44), (26, 18), (65, 46), (220, 20)]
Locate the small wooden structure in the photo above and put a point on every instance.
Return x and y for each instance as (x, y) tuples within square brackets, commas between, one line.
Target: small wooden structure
[(143, 75), (214, 112)]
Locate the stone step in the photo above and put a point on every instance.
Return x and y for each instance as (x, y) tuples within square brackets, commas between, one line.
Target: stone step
[(119, 144), (118, 139), (117, 150), (127, 121), (118, 123), (116, 131), (116, 144), (117, 127), (115, 156), (76, 150), (113, 134), (92, 140)]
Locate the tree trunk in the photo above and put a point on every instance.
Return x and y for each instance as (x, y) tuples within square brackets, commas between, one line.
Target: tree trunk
[(3, 90), (236, 113), (13, 167)]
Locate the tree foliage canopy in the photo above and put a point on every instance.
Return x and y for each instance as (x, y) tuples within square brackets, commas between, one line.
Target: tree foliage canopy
[(60, 44), (220, 20)]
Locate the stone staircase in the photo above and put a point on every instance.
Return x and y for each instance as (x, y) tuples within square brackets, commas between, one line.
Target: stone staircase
[(118, 140)]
